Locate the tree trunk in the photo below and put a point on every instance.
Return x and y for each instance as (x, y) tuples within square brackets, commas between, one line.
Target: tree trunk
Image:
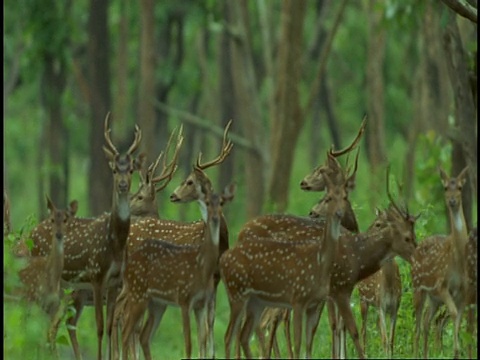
[(146, 91), (54, 85), (100, 182), (375, 132), (121, 113), (430, 91), (227, 103), (464, 138), (248, 106), (288, 115)]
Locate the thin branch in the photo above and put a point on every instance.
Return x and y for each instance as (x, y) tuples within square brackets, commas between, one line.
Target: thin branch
[(323, 57), (205, 125), (462, 8)]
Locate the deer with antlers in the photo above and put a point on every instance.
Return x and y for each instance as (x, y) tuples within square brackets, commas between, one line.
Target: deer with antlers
[(439, 270), (185, 233), (94, 248), (314, 181), (281, 261), (159, 273), (143, 204), (41, 277)]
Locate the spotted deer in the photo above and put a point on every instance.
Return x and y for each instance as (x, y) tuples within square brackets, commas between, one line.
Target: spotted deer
[(94, 248), (41, 277), (313, 182), (267, 268), (179, 232), (382, 290), (361, 255), (439, 272), (143, 204), (159, 273)]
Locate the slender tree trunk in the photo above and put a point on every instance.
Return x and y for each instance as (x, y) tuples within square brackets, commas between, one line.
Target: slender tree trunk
[(122, 104), (463, 135), (288, 115), (146, 91), (248, 106), (100, 182), (227, 103), (375, 131)]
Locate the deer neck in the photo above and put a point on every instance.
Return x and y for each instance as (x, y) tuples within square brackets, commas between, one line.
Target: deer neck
[(389, 270), (326, 253), (55, 262), (210, 245), (458, 231), (119, 222), (372, 249)]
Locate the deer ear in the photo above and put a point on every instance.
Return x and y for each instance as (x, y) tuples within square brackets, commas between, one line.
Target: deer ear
[(73, 208), (139, 162), (229, 192), (443, 176), (462, 177), (50, 205)]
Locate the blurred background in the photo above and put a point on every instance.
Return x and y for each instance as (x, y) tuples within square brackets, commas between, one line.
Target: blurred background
[(295, 76)]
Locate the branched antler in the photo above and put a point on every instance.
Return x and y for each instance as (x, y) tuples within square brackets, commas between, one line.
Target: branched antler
[(226, 148), (354, 142)]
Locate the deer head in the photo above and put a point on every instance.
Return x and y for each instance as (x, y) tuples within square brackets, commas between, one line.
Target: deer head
[(315, 180), (197, 182)]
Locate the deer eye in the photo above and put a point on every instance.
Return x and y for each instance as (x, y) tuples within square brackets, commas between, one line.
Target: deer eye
[(140, 198), (190, 182)]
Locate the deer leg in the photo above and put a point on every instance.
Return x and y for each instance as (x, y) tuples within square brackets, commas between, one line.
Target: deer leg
[(202, 327), (252, 317), (312, 320), (155, 314), (298, 311), (187, 331), (456, 315), (364, 313), (212, 301), (418, 303), (430, 313), (78, 299), (332, 319), (383, 327), (132, 314), (342, 337), (236, 309), (112, 294), (343, 305), (267, 347), (98, 303), (391, 339), (288, 333)]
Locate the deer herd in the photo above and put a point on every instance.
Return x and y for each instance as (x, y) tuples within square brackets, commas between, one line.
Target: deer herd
[(136, 263)]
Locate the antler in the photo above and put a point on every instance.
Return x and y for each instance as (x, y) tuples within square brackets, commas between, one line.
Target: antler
[(111, 148), (355, 141), (168, 170), (390, 197), (226, 148)]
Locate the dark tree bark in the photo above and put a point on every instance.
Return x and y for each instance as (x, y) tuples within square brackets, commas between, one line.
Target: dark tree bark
[(54, 84), (288, 118), (146, 90), (375, 131), (431, 91), (227, 103), (463, 135), (100, 182), (247, 105), (121, 100)]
